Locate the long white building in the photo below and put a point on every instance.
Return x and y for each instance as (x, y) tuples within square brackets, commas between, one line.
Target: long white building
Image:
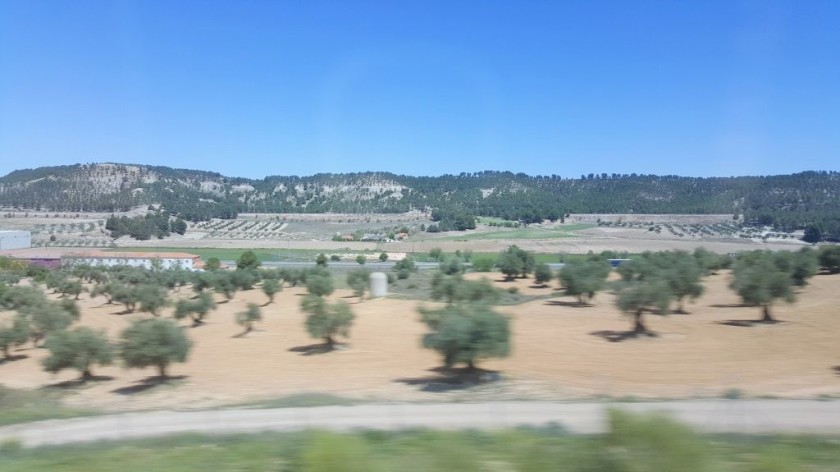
[(148, 260), (15, 240)]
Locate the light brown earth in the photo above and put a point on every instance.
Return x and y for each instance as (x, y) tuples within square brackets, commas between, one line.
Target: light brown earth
[(315, 231), (559, 352)]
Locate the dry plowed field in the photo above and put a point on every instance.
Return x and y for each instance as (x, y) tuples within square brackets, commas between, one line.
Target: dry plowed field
[(560, 351)]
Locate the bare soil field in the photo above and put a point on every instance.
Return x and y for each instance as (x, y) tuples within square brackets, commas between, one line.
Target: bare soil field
[(559, 351), (316, 231), (597, 239)]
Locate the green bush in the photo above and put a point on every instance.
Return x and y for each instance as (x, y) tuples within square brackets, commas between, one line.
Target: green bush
[(653, 443), (483, 263)]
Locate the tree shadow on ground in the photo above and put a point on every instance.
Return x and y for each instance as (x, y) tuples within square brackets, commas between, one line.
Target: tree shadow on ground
[(747, 323), (504, 280), (80, 382), (123, 312), (679, 311), (246, 332), (732, 305), (13, 358), (538, 286), (147, 384), (574, 304), (619, 336), (446, 380), (315, 349)]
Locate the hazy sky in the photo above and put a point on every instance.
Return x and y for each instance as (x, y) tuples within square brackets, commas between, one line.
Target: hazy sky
[(256, 88)]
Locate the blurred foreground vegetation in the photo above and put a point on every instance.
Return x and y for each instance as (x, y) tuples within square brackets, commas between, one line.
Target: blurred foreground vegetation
[(635, 443), (18, 406)]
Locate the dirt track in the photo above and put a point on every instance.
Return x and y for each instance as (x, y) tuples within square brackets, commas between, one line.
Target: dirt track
[(720, 416), (560, 351)]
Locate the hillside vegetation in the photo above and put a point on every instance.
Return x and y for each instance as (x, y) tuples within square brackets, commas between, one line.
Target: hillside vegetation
[(796, 201)]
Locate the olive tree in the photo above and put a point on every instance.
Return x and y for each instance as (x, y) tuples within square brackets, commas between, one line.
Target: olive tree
[(542, 274), (683, 273), (78, 349), (680, 270), (583, 279), (358, 281), (245, 279), (152, 298), (647, 295), (319, 282), (48, 318), (153, 342), (762, 277), (223, 283), (124, 294), (454, 288), (452, 265), (247, 318), (197, 308), (325, 320), (464, 333), (72, 287), (515, 262), (270, 287), (829, 258), (404, 267), (14, 334)]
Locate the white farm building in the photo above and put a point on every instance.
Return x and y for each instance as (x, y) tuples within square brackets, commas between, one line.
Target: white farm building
[(15, 240), (162, 260)]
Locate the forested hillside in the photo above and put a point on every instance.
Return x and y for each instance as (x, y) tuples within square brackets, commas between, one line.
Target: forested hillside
[(808, 199)]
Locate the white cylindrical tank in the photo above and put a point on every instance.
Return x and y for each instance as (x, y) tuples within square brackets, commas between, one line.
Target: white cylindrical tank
[(378, 284)]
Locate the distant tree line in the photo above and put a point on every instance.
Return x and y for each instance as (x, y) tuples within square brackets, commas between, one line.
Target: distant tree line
[(786, 202), (155, 224)]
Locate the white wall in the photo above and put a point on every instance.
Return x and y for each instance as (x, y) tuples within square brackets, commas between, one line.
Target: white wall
[(165, 263), (15, 240)]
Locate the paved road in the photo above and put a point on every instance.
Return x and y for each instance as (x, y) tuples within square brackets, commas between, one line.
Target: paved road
[(738, 416)]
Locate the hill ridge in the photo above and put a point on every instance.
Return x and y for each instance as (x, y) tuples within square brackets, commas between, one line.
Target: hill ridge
[(789, 201)]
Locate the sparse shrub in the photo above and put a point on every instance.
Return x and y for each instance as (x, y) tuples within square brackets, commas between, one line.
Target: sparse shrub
[(733, 394)]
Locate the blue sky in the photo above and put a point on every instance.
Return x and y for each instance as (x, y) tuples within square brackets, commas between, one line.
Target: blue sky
[(256, 88)]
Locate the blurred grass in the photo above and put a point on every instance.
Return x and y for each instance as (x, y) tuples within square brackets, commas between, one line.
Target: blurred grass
[(635, 443), (18, 406)]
